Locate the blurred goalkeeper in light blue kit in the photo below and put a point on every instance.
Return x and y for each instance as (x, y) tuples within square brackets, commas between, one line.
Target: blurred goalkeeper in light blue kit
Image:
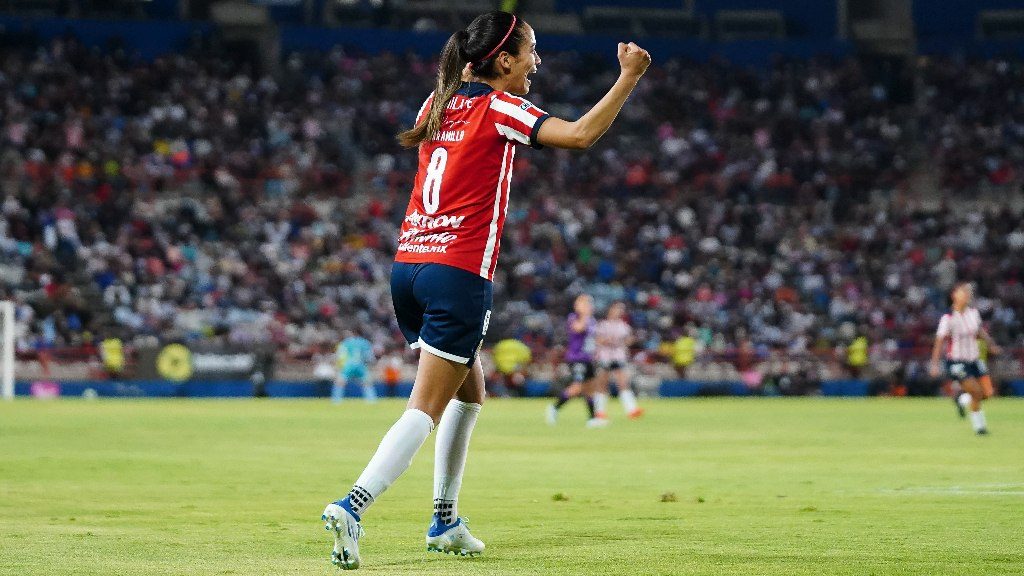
[(354, 357)]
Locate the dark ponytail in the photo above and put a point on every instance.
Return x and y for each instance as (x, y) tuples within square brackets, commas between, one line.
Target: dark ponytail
[(487, 36), (449, 78)]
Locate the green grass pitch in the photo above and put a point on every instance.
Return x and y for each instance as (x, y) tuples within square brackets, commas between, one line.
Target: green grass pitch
[(769, 486)]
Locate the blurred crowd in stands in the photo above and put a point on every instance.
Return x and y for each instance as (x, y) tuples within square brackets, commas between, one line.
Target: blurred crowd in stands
[(190, 199)]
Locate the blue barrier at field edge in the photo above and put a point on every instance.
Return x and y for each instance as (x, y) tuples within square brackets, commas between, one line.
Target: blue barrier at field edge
[(536, 388), (684, 388), (323, 390), (112, 388), (281, 389), (212, 389), (844, 388)]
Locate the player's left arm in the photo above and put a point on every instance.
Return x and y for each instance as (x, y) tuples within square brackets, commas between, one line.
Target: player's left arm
[(630, 338), (992, 346), (584, 132), (579, 324)]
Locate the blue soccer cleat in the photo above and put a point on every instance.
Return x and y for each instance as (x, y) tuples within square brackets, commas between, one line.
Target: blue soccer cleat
[(453, 538), (346, 527)]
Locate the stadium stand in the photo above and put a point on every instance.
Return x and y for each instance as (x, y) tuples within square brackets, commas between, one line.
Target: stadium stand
[(779, 209)]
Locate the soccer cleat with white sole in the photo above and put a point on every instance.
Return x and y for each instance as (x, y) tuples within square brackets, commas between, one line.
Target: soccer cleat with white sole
[(551, 415), (347, 530), (598, 423), (453, 538), (961, 407)]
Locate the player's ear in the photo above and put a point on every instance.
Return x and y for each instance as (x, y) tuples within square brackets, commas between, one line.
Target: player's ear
[(505, 61)]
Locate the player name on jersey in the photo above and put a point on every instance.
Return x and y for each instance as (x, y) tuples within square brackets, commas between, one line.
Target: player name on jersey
[(450, 136)]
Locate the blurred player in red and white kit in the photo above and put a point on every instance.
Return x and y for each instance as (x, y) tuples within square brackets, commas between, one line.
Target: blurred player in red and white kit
[(957, 337), (614, 337), (467, 133)]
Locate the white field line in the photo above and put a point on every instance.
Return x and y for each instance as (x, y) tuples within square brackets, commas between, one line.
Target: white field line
[(1000, 489)]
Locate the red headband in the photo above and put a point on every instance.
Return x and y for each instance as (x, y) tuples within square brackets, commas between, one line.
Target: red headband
[(507, 34)]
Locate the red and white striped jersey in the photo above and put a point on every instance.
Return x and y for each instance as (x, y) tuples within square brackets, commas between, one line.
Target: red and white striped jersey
[(612, 340), (962, 329), (460, 196)]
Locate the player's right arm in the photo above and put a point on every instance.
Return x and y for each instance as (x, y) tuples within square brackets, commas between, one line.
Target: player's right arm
[(935, 367), (583, 133), (992, 346), (578, 324), (340, 356)]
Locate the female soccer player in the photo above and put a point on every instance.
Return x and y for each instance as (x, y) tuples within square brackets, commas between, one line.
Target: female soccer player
[(958, 333), (614, 337), (354, 356), (466, 133), (579, 355)]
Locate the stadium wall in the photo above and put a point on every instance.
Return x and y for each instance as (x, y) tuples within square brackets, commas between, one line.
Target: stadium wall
[(151, 39), (742, 52), (949, 30), (148, 38), (804, 18), (954, 21)]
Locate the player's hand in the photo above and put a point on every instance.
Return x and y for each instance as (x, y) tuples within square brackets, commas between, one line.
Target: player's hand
[(933, 369), (633, 60), (995, 350)]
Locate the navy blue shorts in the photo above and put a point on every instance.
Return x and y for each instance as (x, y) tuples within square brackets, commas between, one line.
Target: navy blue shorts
[(582, 371), (442, 309), (960, 370)]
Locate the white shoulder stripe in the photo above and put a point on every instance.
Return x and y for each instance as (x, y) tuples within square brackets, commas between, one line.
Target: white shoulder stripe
[(423, 106), (499, 105), (512, 133)]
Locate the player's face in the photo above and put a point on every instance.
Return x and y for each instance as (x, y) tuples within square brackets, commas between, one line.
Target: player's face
[(584, 306), (524, 64), (616, 311), (962, 295)]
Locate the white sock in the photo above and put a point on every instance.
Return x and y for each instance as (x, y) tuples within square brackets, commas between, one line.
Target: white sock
[(392, 458), (978, 420), (964, 400), (601, 403), (369, 393), (628, 400), (450, 449)]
